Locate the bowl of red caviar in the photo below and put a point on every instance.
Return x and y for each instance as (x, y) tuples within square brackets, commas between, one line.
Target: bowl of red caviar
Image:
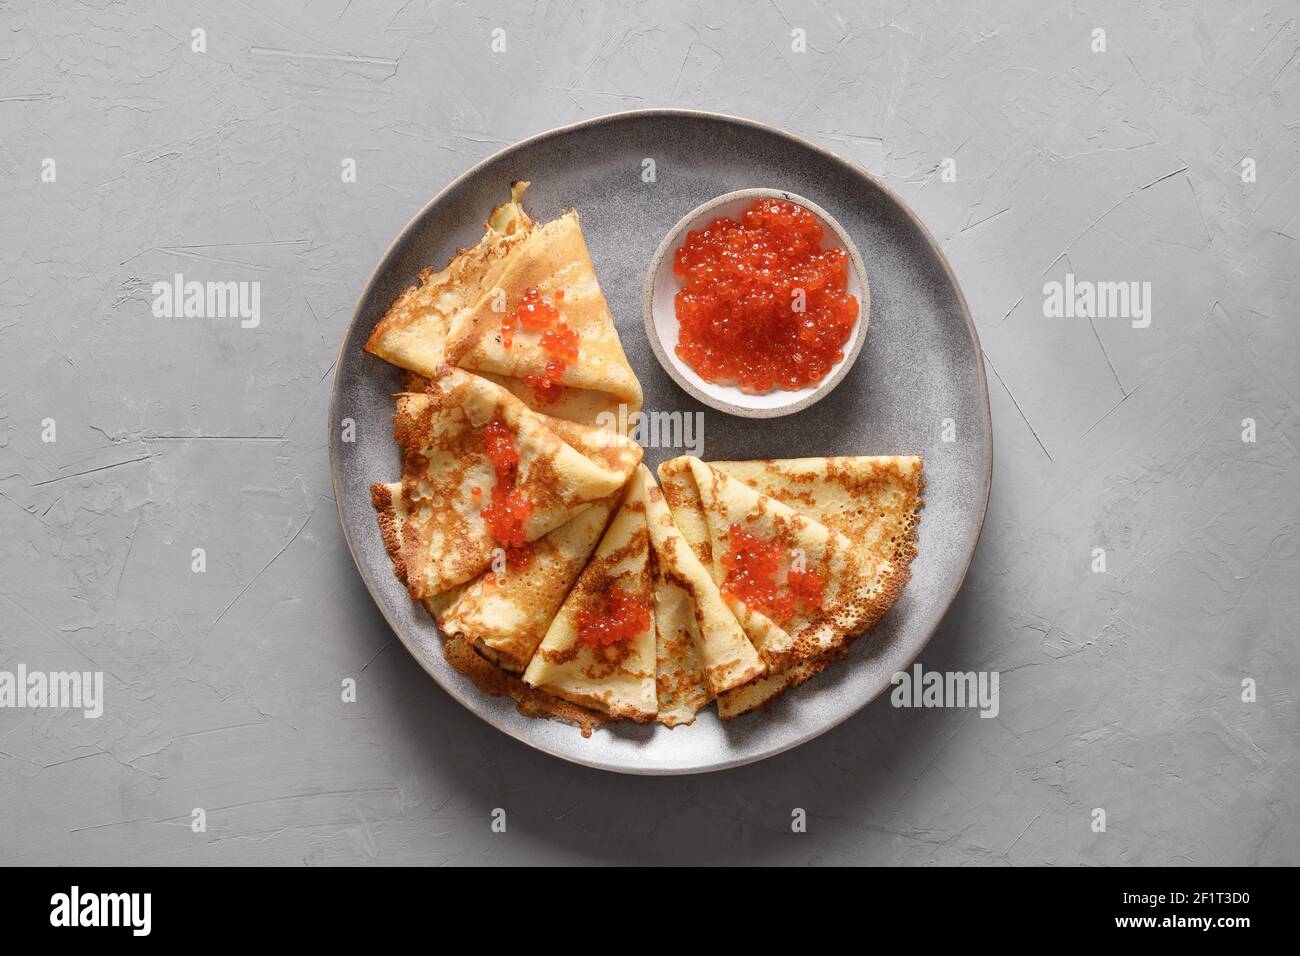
[(757, 303)]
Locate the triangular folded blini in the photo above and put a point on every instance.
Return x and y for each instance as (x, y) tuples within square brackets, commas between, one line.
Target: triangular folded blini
[(482, 472), (702, 650), (874, 501), (506, 614), (544, 331), (798, 588), (687, 509), (682, 493), (455, 316), (600, 650), (413, 334)]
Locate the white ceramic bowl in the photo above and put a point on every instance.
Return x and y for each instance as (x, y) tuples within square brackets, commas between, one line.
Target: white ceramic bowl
[(660, 315)]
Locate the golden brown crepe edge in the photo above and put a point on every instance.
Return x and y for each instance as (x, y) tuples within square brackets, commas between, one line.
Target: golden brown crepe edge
[(381, 498), (901, 557)]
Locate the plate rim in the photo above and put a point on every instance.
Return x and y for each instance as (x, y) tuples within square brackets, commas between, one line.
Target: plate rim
[(621, 115)]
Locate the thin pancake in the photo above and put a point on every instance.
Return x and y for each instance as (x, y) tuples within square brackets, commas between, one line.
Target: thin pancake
[(506, 615), (393, 512), (413, 333), (875, 502), (552, 259), (618, 678), (856, 589), (448, 478), (768, 687), (702, 650), (688, 511), (682, 492)]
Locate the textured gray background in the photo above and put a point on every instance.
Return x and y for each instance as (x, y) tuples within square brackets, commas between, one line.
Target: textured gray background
[(1119, 690)]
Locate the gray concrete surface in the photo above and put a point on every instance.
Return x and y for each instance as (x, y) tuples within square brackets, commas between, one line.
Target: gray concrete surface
[(1120, 690)]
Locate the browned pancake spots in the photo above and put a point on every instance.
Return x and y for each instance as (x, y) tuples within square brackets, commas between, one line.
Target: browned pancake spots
[(680, 687), (414, 431), (413, 303), (857, 603), (721, 669), (382, 500), (717, 480), (561, 656), (792, 498), (674, 495), (608, 660), (693, 592), (612, 457), (409, 381), (617, 456), (530, 701), (652, 562), (546, 486), (637, 544), (590, 592), (665, 572), (787, 529), (681, 500), (888, 484)]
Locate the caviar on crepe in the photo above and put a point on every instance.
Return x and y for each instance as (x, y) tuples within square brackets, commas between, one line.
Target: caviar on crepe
[(535, 314), (752, 566), (618, 617), (509, 508)]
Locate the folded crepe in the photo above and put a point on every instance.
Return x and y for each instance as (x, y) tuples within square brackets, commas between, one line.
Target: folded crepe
[(553, 263), (434, 525), (505, 615), (455, 316), (413, 333), (599, 651), (874, 501), (701, 649), (839, 591)]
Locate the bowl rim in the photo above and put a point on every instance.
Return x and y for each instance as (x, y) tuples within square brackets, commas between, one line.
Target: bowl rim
[(803, 398)]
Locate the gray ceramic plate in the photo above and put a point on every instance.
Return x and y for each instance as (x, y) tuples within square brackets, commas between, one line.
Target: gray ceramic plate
[(921, 365)]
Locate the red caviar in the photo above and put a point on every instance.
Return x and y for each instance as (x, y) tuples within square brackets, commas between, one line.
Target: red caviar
[(762, 305), (752, 565), (509, 509), (535, 314), (618, 617), (807, 587)]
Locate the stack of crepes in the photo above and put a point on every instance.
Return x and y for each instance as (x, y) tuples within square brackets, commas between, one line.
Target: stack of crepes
[(547, 552)]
